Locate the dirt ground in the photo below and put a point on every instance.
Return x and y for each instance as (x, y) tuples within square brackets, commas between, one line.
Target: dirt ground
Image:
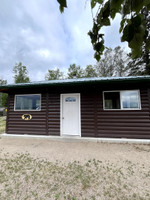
[(40, 169), (79, 151)]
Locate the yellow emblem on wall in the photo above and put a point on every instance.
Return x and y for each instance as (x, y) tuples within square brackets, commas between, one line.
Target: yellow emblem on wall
[(26, 117)]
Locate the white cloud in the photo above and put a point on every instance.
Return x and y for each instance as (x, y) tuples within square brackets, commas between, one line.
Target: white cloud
[(44, 53), (38, 35), (112, 35)]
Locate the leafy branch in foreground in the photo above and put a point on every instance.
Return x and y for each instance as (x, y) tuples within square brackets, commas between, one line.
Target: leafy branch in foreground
[(132, 24), (63, 4)]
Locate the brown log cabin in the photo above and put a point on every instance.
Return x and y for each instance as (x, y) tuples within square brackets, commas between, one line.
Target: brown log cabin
[(116, 107)]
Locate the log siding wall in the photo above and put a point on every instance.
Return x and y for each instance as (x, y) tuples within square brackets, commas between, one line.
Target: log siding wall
[(114, 123), (95, 122), (16, 125), (54, 114)]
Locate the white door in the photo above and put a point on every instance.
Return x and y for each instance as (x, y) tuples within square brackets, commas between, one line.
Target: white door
[(70, 114)]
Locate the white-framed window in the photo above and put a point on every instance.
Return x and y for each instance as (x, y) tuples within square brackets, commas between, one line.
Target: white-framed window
[(27, 102), (121, 100)]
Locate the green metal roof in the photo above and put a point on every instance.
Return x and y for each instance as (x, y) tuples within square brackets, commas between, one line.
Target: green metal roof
[(73, 82)]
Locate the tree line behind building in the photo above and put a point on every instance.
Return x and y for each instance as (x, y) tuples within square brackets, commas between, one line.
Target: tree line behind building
[(115, 62)]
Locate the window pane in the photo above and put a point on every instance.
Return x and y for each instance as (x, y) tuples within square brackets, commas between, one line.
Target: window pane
[(70, 99), (112, 100), (130, 99), (28, 102)]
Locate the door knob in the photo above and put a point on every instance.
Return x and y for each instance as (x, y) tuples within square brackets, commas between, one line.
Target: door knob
[(62, 117)]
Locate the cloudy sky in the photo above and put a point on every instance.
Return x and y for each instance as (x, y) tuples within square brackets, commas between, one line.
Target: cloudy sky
[(38, 35)]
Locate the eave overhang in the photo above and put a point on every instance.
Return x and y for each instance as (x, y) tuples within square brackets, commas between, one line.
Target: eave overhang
[(75, 82)]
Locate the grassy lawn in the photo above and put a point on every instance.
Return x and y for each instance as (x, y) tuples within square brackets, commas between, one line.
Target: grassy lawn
[(2, 124), (27, 178)]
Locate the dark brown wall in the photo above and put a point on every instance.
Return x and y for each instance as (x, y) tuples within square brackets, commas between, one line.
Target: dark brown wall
[(118, 124), (95, 122), (53, 114), (16, 125), (44, 122)]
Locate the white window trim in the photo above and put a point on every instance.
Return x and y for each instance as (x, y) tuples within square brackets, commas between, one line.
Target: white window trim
[(26, 95), (121, 107)]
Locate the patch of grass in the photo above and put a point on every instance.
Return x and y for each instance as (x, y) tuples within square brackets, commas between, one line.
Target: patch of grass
[(2, 124), (25, 177), (141, 148)]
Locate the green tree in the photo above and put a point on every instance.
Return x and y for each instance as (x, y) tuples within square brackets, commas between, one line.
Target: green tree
[(141, 65), (54, 75), (132, 24), (3, 82), (21, 73), (3, 96), (75, 72), (4, 100), (136, 67), (90, 71), (114, 63)]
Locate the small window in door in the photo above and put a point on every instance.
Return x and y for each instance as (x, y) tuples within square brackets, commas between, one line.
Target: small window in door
[(70, 99)]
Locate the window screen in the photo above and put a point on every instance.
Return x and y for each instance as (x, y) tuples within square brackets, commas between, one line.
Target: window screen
[(28, 102)]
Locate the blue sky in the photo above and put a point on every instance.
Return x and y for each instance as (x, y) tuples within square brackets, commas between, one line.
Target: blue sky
[(38, 35)]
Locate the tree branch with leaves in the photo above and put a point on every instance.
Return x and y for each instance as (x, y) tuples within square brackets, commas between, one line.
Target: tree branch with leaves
[(132, 24)]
